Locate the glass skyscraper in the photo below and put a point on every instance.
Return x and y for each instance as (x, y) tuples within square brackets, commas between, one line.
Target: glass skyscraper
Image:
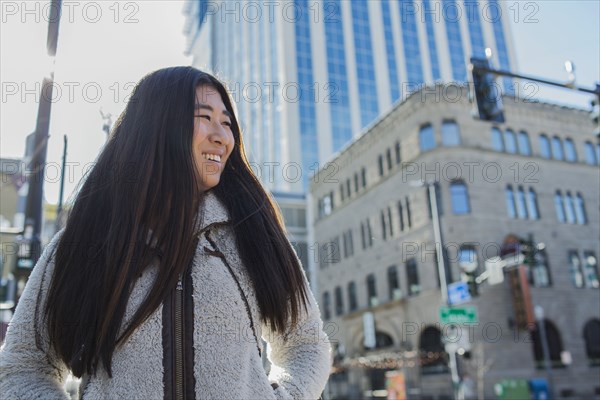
[(309, 76)]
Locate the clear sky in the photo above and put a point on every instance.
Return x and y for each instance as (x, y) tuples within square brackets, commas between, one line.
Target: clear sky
[(106, 46)]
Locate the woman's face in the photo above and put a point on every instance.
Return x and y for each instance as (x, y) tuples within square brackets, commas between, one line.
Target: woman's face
[(213, 139)]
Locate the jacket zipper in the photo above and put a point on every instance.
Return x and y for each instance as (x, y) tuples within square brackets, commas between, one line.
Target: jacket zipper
[(179, 356)]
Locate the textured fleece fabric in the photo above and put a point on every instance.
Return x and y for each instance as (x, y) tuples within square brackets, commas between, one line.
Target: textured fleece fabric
[(227, 364)]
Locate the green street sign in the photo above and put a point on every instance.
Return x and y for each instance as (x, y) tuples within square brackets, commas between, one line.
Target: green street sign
[(458, 315)]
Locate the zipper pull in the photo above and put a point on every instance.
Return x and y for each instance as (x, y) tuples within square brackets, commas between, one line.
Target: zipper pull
[(179, 283)]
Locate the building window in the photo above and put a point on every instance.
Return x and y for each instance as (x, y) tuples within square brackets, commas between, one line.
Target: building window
[(521, 203), (591, 333), (590, 154), (380, 164), (426, 138), (575, 269), (554, 342), (460, 198), (510, 202), (348, 244), (540, 274), (532, 205), (510, 141), (570, 152), (545, 150), (388, 156), (326, 306), (559, 206), (590, 269), (398, 155), (497, 141), (342, 193), (394, 286), (355, 183), (570, 208), (371, 291), (557, 149), (363, 173), (348, 190), (383, 225), (408, 216), (401, 216), (450, 133), (412, 277), (524, 145), (580, 210), (390, 223), (339, 301), (363, 236), (467, 258), (352, 301)]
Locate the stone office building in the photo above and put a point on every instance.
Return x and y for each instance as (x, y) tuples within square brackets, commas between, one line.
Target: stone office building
[(534, 176)]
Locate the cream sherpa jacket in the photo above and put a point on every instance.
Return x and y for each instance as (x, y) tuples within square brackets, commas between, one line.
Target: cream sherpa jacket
[(221, 350)]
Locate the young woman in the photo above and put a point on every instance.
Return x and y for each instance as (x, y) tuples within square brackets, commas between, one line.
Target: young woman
[(172, 266)]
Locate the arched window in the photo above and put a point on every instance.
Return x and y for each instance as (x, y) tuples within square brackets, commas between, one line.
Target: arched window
[(521, 203), (382, 341), (524, 145), (371, 290), (557, 148), (393, 283), (590, 154), (433, 357), (326, 309), (545, 150), (426, 138), (559, 206), (532, 205), (570, 208), (352, 301), (450, 133), (339, 301), (570, 152), (580, 209), (511, 207), (460, 198), (591, 333), (497, 141), (554, 342), (510, 141)]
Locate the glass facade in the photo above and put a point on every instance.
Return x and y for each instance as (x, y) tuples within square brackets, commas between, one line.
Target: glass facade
[(452, 15), (475, 31), (433, 56), (365, 67), (390, 50), (412, 51), (308, 118), (341, 127), (495, 17)]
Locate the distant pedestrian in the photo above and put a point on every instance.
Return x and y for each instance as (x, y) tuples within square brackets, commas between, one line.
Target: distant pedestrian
[(173, 264)]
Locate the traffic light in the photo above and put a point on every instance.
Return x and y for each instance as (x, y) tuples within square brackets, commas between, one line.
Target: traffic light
[(487, 93)]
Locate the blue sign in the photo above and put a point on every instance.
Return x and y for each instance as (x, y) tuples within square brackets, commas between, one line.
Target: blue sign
[(458, 292)]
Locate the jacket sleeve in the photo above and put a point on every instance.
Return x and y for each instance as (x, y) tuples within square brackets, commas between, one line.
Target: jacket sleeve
[(29, 368), (301, 357)]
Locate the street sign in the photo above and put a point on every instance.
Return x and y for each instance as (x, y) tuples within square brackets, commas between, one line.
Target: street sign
[(458, 315), (458, 292)]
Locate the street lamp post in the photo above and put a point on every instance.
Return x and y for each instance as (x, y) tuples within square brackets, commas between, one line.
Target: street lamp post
[(437, 236)]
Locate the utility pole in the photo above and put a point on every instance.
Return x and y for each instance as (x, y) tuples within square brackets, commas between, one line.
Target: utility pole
[(58, 221)]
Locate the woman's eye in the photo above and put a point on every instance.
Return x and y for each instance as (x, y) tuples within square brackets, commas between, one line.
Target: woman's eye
[(227, 123), (204, 116)]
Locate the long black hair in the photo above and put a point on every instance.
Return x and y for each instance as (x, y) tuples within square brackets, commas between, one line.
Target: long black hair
[(145, 178)]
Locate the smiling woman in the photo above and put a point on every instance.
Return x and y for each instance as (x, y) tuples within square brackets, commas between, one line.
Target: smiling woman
[(162, 284)]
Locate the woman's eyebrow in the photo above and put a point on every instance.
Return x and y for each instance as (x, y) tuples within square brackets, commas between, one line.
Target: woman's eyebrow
[(202, 106)]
